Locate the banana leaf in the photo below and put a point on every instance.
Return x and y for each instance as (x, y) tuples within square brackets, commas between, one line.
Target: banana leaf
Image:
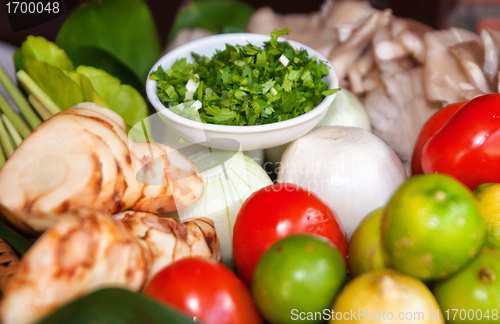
[(115, 305)]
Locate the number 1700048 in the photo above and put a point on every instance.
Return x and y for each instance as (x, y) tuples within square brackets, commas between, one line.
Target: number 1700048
[(471, 315), (32, 7)]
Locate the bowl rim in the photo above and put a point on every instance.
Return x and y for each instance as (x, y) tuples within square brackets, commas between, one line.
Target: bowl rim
[(185, 51)]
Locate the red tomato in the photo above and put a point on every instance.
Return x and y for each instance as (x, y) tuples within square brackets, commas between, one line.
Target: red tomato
[(467, 147), (206, 290), (431, 126), (275, 212)]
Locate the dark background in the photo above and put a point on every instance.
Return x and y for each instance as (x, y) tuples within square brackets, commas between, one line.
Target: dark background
[(430, 12)]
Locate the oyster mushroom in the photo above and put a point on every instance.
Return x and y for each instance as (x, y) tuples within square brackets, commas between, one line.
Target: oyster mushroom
[(442, 72), (411, 35), (491, 42), (398, 114), (344, 17), (470, 55), (358, 71), (302, 26), (390, 55), (342, 56)]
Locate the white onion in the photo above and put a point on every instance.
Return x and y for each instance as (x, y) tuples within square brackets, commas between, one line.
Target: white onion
[(256, 155), (351, 169), (345, 110), (230, 178)]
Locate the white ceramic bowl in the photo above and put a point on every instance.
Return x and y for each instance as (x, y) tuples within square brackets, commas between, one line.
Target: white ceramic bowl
[(249, 137)]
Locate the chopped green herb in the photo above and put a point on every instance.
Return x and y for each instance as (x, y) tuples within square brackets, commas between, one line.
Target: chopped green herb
[(245, 84)]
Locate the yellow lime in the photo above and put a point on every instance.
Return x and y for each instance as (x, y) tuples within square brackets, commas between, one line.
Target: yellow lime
[(432, 226), (366, 251), (386, 296), (488, 195)]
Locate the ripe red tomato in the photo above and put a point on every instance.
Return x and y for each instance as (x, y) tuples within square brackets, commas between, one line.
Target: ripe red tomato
[(431, 126), (206, 290), (467, 147), (277, 211)]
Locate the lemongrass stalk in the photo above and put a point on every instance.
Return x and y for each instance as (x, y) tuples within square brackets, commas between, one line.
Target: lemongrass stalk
[(2, 156), (19, 99), (15, 119), (30, 85), (39, 107), (16, 137), (6, 141)]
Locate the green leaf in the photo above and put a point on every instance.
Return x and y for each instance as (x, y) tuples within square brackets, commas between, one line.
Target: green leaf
[(38, 48), (122, 98), (226, 75), (115, 305), (16, 240), (104, 60), (277, 33), (214, 15), (222, 116), (63, 91), (124, 28), (89, 93)]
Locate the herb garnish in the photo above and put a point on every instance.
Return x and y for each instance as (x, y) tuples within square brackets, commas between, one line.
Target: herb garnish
[(245, 84)]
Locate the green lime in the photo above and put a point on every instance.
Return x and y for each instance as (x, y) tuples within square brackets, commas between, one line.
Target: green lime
[(298, 277), (473, 294), (432, 226), (488, 195), (366, 251)]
